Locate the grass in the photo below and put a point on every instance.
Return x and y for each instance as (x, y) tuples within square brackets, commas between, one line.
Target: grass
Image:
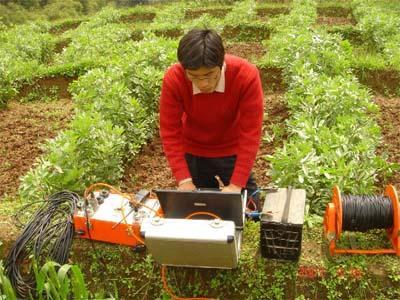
[(388, 5), (368, 58)]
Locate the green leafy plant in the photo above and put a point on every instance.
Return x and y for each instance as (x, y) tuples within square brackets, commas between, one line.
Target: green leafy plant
[(95, 43), (205, 21), (379, 27), (105, 92), (332, 134), (6, 289), (22, 50), (171, 16), (54, 281), (243, 12), (90, 151)]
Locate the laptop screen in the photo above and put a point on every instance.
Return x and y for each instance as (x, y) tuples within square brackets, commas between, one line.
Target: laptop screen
[(180, 204)]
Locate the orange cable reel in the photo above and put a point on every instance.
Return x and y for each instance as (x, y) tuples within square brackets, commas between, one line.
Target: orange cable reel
[(333, 224)]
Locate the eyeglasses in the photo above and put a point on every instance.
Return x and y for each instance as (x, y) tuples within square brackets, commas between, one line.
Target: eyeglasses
[(213, 76)]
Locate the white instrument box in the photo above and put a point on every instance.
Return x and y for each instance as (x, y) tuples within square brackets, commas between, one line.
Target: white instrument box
[(193, 243)]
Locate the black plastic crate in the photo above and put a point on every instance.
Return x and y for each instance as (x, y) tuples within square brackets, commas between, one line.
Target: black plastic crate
[(281, 225), (280, 240)]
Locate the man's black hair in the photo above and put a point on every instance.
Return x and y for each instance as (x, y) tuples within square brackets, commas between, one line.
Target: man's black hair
[(201, 48)]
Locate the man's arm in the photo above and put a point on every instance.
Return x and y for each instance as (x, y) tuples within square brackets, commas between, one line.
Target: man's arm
[(171, 111), (251, 109)]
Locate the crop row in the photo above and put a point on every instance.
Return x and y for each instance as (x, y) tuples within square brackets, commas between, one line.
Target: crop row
[(28, 51), (332, 134), (380, 28), (114, 114)]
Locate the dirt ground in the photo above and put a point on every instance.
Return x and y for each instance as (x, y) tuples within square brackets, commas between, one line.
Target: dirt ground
[(249, 51), (23, 128), (389, 121), (335, 21)]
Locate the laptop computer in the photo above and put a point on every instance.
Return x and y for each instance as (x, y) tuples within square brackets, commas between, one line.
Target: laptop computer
[(180, 204)]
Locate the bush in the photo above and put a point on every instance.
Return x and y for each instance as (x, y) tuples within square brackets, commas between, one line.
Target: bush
[(244, 12), (301, 50), (376, 26), (332, 133), (322, 98), (63, 9), (91, 150), (95, 45), (106, 92), (14, 14), (23, 49)]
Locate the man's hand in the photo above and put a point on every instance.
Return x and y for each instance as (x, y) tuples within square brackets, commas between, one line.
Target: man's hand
[(187, 185), (231, 188)]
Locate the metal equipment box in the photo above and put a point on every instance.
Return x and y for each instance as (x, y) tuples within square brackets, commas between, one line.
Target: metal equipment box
[(192, 243), (281, 224), (112, 219)]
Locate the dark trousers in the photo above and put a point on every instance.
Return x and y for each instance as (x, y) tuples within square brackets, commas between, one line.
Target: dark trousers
[(204, 169)]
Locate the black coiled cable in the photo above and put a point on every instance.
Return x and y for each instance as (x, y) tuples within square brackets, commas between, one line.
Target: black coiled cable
[(362, 213), (47, 236)]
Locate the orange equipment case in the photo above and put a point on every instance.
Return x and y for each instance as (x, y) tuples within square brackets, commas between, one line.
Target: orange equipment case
[(111, 217)]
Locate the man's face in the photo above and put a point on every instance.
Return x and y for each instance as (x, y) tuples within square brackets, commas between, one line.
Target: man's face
[(205, 79)]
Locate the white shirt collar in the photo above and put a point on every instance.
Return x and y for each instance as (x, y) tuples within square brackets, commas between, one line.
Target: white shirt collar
[(220, 86)]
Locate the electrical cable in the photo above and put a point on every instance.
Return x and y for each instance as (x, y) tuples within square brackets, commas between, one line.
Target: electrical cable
[(85, 201), (365, 212), (116, 191), (255, 192), (251, 201), (169, 291), (47, 236), (91, 188)]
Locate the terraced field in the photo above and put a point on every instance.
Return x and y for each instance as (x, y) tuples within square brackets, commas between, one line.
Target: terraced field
[(331, 79)]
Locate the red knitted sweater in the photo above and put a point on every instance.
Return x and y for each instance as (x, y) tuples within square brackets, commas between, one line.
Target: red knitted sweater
[(212, 125)]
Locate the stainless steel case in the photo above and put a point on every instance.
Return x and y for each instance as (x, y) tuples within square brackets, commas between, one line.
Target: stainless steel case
[(193, 243)]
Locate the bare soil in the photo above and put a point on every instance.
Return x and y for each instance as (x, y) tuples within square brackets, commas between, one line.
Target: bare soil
[(272, 79), (334, 11), (138, 17), (249, 51), (62, 28), (389, 122), (335, 20), (23, 128), (384, 82), (215, 12), (61, 45), (60, 83), (246, 32), (272, 11)]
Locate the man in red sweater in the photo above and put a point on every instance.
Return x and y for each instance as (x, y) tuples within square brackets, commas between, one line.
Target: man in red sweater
[(211, 112)]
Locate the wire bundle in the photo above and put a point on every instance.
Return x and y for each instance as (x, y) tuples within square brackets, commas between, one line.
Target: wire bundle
[(47, 236), (362, 213)]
